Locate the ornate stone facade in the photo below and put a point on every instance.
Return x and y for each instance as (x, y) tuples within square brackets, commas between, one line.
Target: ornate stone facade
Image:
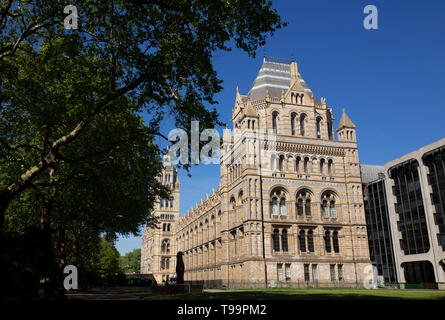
[(289, 205)]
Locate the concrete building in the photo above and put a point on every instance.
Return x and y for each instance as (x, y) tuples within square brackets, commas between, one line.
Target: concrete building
[(415, 188), (381, 248), (289, 205)]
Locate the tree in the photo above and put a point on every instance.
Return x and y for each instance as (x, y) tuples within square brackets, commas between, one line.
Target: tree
[(107, 260), (156, 55), (131, 261)]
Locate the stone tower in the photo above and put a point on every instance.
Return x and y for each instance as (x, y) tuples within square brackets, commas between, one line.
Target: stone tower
[(158, 252)]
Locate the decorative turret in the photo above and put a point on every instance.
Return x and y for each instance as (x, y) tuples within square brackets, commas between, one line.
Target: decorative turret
[(346, 129)]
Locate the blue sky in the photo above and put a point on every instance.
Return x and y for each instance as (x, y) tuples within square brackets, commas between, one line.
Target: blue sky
[(391, 81)]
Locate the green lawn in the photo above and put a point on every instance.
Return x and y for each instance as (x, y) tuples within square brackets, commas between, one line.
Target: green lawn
[(309, 294)]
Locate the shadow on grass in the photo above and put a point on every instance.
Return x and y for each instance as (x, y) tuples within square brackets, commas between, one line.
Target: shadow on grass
[(316, 294)]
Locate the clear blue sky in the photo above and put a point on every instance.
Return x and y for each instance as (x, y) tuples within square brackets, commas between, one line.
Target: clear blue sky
[(391, 81)]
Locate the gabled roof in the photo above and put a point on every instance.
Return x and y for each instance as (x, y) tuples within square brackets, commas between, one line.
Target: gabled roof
[(345, 122), (274, 77)]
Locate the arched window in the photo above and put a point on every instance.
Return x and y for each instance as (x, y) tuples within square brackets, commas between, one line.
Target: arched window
[(281, 163), (248, 124), (274, 206), (308, 207), (292, 123), (283, 206), (310, 241), (284, 244), (171, 203), (272, 162), (306, 167), (332, 209), (302, 241), (335, 242), (318, 126), (274, 121), (297, 164), (304, 202), (302, 119), (330, 166), (324, 208), (322, 161), (165, 246), (276, 240), (164, 227), (327, 241), (300, 207)]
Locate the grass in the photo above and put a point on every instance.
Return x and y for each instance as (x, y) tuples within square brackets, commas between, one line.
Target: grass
[(307, 294)]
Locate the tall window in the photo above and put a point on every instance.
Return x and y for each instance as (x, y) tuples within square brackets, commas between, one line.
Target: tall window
[(332, 269), (287, 271), (280, 272), (276, 240), (324, 208), (308, 207), (274, 205), (314, 273), (297, 164), (284, 244), (318, 126), (165, 263), (300, 207), (274, 121), (283, 206), (332, 208), (322, 161), (302, 241), (165, 246), (335, 242), (327, 241), (306, 163), (306, 273), (310, 241), (330, 167), (302, 119), (328, 204), (340, 272), (281, 163), (292, 123), (304, 201)]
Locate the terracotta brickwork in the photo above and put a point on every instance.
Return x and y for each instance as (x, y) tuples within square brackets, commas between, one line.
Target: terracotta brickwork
[(289, 198)]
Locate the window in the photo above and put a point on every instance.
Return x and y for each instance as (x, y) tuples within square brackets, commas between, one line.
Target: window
[(280, 163), (304, 201), (308, 207), (284, 244), (318, 126), (310, 241), (297, 164), (292, 123), (335, 242), (302, 241), (314, 272), (340, 272), (332, 268), (287, 271), (306, 273), (280, 272), (330, 167), (274, 206), (165, 246), (283, 206), (300, 207), (306, 162), (322, 161), (332, 208), (276, 240), (274, 121), (302, 119), (324, 208), (165, 263), (171, 203), (327, 241)]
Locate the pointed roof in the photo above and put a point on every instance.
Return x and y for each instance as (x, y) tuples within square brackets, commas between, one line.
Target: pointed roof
[(345, 122), (250, 111), (274, 77)]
